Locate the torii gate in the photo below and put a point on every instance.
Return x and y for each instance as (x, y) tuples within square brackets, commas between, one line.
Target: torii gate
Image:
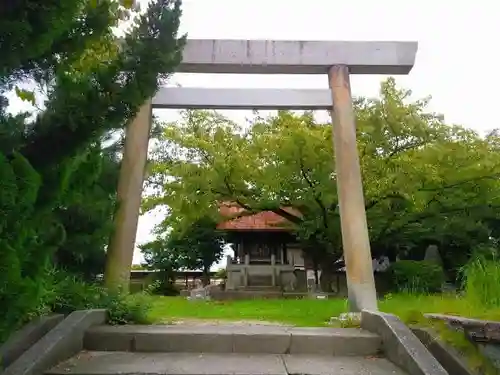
[(337, 59)]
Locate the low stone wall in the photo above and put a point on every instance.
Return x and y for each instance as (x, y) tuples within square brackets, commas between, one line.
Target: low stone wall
[(449, 358), (228, 295), (338, 282), (483, 334), (59, 344), (242, 295), (20, 341), (400, 345)]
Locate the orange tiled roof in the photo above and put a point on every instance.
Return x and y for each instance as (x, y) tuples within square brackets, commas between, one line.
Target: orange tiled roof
[(265, 220)]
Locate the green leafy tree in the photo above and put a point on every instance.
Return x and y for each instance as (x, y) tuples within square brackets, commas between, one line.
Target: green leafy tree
[(56, 201), (424, 181), (87, 213), (158, 258), (198, 247)]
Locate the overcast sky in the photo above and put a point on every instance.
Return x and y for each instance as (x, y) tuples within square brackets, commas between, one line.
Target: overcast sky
[(458, 61)]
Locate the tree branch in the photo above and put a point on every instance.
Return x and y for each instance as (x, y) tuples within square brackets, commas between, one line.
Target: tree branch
[(315, 193), (374, 202), (463, 182), (407, 147), (446, 210)]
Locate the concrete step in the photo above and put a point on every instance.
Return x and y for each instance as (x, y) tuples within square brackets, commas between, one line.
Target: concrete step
[(233, 339), (114, 363)]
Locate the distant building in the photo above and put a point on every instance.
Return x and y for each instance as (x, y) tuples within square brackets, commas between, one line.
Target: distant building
[(266, 253)]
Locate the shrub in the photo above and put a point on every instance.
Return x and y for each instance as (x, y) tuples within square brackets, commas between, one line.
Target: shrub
[(71, 293), (221, 274), (164, 287), (127, 308), (481, 280), (21, 300), (63, 293), (416, 276)]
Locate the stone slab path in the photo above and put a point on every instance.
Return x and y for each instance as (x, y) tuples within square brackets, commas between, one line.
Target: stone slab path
[(114, 363)]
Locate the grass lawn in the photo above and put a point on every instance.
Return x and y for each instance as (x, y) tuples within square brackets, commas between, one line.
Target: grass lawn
[(481, 300), (309, 312)]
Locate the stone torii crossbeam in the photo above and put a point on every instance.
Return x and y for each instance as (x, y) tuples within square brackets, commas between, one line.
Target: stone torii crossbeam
[(337, 60)]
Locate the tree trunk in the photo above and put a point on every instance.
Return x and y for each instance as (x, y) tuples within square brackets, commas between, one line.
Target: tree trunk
[(206, 276), (316, 277)]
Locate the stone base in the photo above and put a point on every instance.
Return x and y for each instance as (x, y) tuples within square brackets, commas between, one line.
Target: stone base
[(199, 294), (350, 317), (318, 295)]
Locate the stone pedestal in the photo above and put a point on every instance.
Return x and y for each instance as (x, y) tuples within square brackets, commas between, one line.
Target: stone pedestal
[(199, 294)]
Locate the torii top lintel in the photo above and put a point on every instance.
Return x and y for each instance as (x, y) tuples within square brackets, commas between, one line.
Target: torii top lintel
[(296, 57)]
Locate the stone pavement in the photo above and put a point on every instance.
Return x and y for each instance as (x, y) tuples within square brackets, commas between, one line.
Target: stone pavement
[(233, 339), (82, 344), (237, 348), (114, 363)]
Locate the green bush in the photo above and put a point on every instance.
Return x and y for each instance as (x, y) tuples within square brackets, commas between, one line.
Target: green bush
[(481, 280), (72, 294), (22, 299), (221, 274), (164, 287), (416, 276), (63, 293), (127, 308)]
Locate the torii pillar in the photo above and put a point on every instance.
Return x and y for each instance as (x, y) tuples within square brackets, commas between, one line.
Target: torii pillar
[(355, 240), (129, 193), (338, 60)]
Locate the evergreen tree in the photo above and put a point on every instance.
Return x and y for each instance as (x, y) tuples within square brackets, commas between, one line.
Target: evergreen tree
[(57, 181)]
